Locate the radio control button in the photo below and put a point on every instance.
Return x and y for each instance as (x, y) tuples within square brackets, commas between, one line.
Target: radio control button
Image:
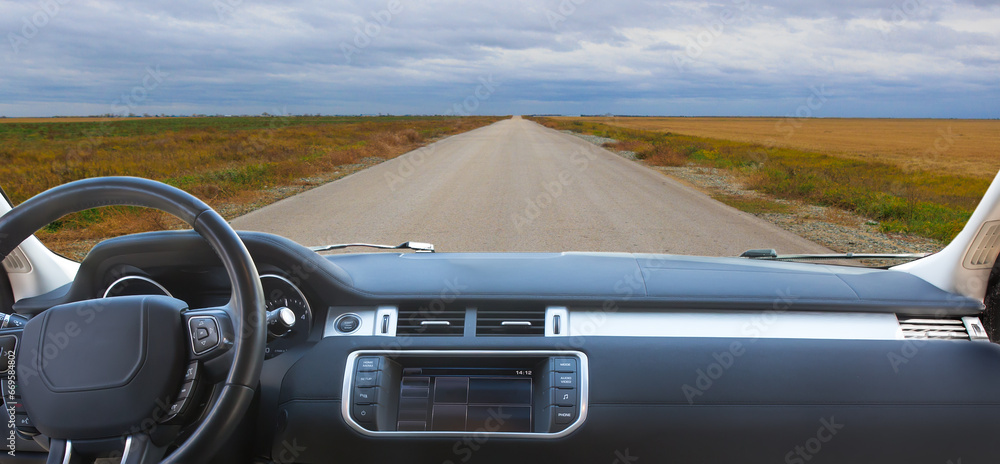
[(564, 364), (564, 380), (366, 379), (563, 396), (367, 395), (564, 415), (368, 364), (364, 412)]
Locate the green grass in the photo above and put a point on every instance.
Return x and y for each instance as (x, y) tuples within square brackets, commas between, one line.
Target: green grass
[(923, 203), (753, 205)]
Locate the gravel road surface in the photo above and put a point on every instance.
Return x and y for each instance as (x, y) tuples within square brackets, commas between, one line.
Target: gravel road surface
[(518, 186)]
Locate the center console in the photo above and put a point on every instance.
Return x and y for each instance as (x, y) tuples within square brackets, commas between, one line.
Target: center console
[(532, 394)]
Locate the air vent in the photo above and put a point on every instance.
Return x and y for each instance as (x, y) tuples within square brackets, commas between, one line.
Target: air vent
[(985, 247), (510, 321), (16, 262), (430, 320), (917, 328)]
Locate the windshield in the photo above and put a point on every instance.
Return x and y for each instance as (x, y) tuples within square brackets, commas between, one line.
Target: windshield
[(643, 127)]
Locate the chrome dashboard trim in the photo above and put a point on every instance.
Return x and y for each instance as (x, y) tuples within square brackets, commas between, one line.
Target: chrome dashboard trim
[(290, 284), (365, 313), (556, 321), (386, 318), (734, 324), (583, 376), (107, 291)]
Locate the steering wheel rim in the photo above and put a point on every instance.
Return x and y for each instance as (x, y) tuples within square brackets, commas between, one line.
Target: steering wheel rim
[(237, 390)]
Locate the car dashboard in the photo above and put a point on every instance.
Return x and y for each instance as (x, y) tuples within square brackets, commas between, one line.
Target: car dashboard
[(584, 357)]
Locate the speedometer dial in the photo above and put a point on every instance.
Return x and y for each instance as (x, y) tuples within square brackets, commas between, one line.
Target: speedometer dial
[(280, 293)]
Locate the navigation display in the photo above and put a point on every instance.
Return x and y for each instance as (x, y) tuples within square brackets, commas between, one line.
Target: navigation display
[(465, 399)]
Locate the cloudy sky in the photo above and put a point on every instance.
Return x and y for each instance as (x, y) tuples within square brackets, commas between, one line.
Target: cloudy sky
[(887, 58)]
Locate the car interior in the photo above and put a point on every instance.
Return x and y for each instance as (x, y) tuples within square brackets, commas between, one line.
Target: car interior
[(215, 345)]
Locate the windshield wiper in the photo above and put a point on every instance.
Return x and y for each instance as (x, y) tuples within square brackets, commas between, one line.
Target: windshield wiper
[(772, 255), (419, 247)]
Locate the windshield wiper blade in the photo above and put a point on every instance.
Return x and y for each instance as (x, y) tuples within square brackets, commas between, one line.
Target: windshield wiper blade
[(772, 255), (419, 247)]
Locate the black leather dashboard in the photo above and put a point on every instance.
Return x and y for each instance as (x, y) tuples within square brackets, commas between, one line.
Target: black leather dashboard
[(652, 399)]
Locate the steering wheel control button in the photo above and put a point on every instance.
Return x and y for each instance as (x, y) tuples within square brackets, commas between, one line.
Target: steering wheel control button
[(564, 396), (564, 380), (186, 390), (348, 323), (368, 364), (364, 413), (365, 395), (564, 364), (564, 415), (178, 407), (366, 379), (204, 333), (191, 372)]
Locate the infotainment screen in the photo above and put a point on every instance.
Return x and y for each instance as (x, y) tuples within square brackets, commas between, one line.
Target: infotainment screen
[(465, 399)]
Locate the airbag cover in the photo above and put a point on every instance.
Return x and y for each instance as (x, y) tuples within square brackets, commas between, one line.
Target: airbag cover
[(99, 368)]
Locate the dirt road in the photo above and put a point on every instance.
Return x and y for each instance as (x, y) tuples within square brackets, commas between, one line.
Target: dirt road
[(517, 186)]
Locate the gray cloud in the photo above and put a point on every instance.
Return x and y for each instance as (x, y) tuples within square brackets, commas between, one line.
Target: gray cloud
[(883, 58)]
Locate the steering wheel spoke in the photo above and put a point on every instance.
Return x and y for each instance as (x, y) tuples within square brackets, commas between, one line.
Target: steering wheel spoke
[(131, 350), (61, 452), (140, 449)]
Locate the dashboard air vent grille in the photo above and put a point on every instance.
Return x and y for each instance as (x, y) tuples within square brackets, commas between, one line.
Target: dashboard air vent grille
[(933, 329), (429, 320), (510, 321), (985, 247), (16, 262)]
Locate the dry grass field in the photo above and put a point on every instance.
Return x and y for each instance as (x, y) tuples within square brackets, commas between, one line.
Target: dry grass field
[(234, 164), (927, 188), (961, 147), (59, 120)]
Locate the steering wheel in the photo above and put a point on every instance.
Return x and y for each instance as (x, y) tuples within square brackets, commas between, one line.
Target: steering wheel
[(98, 376)]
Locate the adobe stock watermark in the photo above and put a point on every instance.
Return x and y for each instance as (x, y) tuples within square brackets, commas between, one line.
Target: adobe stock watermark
[(406, 166), (260, 140), (137, 95), (366, 31), (588, 323), (226, 9), (59, 341), (696, 45), (754, 329), (563, 11), (8, 392), (465, 447), (828, 429), (705, 378), (121, 107), (290, 452), (33, 24), (470, 104), (942, 143), (818, 96), (899, 14), (552, 190), (623, 457), (451, 290)]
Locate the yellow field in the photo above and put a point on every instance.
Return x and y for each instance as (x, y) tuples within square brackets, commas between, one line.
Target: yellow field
[(956, 146)]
